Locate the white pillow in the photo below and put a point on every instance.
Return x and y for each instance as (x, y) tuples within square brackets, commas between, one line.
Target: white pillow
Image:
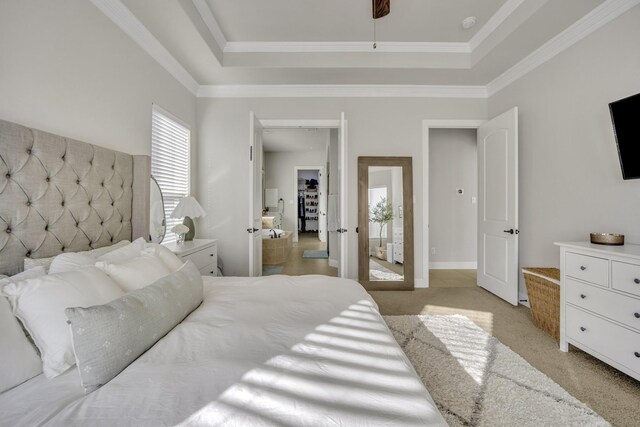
[(19, 360), (124, 254), (40, 303), (71, 261), (170, 259), (27, 274), (136, 273)]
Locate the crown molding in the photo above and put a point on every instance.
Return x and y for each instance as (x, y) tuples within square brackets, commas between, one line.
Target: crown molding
[(598, 17), (212, 24), (341, 91), (345, 47), (493, 23), (127, 21)]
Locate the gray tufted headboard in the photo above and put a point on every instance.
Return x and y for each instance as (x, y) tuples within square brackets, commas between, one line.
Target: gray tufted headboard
[(58, 194)]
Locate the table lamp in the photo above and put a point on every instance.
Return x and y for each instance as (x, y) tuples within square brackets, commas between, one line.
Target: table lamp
[(189, 208)]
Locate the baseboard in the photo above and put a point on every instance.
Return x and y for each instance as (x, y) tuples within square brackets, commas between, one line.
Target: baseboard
[(453, 265), (334, 263)]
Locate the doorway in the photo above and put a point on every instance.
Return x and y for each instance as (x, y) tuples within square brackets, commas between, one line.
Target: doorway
[(317, 244), (497, 201), (453, 207)]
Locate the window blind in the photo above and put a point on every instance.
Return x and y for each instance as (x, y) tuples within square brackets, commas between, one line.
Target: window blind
[(170, 144)]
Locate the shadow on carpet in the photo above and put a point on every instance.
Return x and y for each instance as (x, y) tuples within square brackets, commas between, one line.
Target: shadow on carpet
[(476, 380)]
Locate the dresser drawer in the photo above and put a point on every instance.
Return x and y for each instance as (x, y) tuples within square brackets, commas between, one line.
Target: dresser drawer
[(203, 257), (606, 303), (209, 270), (610, 340), (588, 268), (625, 277)]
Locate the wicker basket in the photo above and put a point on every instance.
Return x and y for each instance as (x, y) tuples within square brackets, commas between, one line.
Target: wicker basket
[(543, 287)]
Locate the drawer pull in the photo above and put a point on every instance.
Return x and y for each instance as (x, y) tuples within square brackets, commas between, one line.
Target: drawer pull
[(583, 329), (636, 354), (637, 315), (636, 281), (583, 296), (210, 254), (211, 272), (583, 268)]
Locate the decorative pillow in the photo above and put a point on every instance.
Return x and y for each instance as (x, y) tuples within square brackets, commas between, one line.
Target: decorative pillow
[(166, 256), (136, 273), (30, 263), (107, 338), (19, 360), (71, 261), (124, 254), (40, 302)]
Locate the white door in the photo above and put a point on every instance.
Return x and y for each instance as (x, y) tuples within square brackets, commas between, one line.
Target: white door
[(254, 229), (342, 162), (498, 206), (322, 206)]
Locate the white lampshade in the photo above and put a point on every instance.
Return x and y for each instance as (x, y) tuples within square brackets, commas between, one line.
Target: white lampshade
[(188, 206)]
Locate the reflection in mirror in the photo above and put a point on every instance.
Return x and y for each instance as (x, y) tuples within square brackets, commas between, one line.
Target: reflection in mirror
[(386, 241), (157, 228)]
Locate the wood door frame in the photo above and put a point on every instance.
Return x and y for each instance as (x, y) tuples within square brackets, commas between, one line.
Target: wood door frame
[(427, 125), (407, 223)]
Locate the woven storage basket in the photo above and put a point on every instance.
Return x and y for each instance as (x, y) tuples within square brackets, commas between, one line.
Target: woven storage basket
[(543, 287)]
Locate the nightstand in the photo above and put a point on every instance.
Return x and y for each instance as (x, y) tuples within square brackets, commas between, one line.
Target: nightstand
[(202, 252)]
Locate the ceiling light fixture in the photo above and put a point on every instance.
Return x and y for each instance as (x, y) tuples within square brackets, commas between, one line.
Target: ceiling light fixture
[(469, 22), (380, 8)]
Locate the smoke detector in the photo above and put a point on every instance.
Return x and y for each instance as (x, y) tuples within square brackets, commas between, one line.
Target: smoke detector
[(469, 22)]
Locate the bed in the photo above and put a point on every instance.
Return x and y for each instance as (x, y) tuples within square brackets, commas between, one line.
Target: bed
[(277, 350)]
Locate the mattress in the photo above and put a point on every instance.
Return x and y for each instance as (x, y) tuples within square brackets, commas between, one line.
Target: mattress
[(277, 350)]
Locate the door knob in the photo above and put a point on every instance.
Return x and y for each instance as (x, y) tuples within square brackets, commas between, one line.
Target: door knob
[(637, 315), (582, 328), (583, 268), (583, 296), (636, 354), (510, 231), (636, 281)]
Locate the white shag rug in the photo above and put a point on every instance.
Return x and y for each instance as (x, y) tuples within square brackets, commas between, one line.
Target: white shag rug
[(477, 381), (378, 272)]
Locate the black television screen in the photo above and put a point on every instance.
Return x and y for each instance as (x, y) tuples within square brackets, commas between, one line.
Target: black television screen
[(625, 115)]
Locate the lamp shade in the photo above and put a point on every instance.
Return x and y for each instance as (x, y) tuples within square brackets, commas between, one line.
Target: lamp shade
[(188, 206)]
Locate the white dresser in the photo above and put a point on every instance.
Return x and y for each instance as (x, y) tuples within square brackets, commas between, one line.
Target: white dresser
[(202, 252), (600, 302)]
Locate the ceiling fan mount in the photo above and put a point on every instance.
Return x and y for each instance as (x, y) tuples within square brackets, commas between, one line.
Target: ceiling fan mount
[(381, 8)]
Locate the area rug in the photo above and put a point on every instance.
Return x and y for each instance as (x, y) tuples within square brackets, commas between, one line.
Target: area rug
[(269, 270), (477, 381), (380, 272), (309, 254)]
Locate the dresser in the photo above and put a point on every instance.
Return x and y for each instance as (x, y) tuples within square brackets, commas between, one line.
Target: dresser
[(600, 302), (202, 252)]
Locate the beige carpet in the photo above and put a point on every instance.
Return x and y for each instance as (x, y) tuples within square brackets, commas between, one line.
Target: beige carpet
[(613, 395), (477, 381)]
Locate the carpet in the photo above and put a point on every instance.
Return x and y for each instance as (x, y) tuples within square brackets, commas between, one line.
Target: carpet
[(380, 272), (310, 254), (476, 380), (269, 270)]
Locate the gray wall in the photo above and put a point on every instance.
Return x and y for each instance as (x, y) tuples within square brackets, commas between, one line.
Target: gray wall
[(376, 127), (453, 218), (570, 179), (67, 69)]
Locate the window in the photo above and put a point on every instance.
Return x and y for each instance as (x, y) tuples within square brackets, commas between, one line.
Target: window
[(170, 144)]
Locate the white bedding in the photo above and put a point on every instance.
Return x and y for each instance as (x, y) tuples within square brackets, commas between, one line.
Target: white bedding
[(278, 350)]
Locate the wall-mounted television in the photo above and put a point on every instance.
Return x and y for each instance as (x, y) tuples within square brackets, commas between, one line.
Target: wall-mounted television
[(625, 115)]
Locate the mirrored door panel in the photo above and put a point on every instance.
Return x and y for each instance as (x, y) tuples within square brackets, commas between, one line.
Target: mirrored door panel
[(385, 222)]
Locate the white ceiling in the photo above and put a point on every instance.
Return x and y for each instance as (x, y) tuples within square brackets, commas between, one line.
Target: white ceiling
[(349, 20), (328, 42), (279, 140)]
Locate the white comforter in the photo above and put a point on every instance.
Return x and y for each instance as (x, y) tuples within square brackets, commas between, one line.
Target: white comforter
[(278, 350)]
